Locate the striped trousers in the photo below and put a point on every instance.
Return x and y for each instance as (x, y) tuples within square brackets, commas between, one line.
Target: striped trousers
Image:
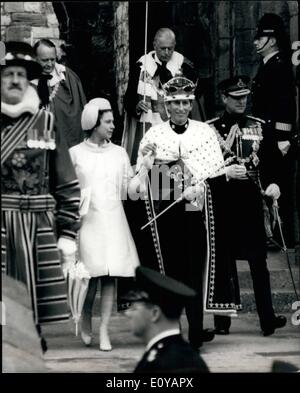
[(30, 254)]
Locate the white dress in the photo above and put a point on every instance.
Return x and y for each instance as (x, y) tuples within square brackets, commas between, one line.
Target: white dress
[(106, 246)]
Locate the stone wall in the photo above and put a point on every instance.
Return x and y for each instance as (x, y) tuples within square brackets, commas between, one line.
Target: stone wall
[(234, 35), (98, 37), (29, 22)]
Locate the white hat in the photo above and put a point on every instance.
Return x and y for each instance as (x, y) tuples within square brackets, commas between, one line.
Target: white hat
[(90, 112)]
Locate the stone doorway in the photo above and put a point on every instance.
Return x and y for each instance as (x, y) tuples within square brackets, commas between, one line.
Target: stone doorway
[(193, 35)]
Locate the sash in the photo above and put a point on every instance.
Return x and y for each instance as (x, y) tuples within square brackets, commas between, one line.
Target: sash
[(17, 133)]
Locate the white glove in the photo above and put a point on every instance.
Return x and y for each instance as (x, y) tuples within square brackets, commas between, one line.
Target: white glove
[(236, 171), (148, 160), (67, 248), (150, 147), (284, 146), (273, 191), (138, 184), (193, 192)]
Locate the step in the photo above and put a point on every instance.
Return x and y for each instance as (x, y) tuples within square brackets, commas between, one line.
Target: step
[(281, 283), (279, 278), (282, 301), (280, 275)]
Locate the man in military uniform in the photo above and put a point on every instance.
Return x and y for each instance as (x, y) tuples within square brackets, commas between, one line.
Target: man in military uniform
[(156, 305), (40, 192), (273, 98), (249, 176)]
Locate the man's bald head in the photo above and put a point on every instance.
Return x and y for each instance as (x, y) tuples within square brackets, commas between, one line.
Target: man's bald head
[(165, 32), (164, 44)]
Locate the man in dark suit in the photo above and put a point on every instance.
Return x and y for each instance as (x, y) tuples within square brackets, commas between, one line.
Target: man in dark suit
[(60, 91), (273, 98), (156, 305), (250, 174)]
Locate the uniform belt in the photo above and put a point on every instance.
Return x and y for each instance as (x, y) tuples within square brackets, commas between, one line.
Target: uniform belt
[(283, 126), (27, 203)]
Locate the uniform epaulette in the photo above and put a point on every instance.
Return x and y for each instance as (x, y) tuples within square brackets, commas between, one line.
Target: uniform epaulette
[(212, 120), (256, 118)]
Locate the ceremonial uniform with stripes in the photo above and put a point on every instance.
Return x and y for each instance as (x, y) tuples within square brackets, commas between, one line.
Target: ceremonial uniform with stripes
[(177, 243), (39, 203), (242, 140)]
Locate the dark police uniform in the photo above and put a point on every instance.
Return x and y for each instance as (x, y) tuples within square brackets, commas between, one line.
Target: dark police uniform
[(273, 100), (170, 354), (243, 200)]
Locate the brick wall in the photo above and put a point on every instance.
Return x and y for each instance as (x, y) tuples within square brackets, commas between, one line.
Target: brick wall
[(29, 22)]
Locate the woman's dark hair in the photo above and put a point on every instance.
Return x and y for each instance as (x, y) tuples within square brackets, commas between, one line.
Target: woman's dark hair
[(88, 133)]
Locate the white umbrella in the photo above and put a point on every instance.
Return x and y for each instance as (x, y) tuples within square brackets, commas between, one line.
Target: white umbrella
[(78, 281)]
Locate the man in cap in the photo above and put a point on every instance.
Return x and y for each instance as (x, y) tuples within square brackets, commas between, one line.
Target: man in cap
[(61, 92), (144, 98), (184, 163), (250, 174), (273, 98), (39, 190), (156, 305)]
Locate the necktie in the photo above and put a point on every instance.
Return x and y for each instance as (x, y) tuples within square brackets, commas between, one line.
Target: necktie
[(43, 89), (163, 73)]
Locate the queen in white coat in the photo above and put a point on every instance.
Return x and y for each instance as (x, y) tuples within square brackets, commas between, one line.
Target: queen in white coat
[(106, 246)]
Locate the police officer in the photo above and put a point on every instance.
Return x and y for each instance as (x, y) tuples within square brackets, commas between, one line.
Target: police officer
[(157, 302), (273, 97), (249, 175)]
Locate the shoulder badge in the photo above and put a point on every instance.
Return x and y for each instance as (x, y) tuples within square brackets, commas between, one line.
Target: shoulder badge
[(152, 355), (212, 120), (256, 119)]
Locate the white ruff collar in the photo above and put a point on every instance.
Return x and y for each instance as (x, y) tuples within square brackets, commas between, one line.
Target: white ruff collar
[(58, 74), (173, 64), (30, 103)]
